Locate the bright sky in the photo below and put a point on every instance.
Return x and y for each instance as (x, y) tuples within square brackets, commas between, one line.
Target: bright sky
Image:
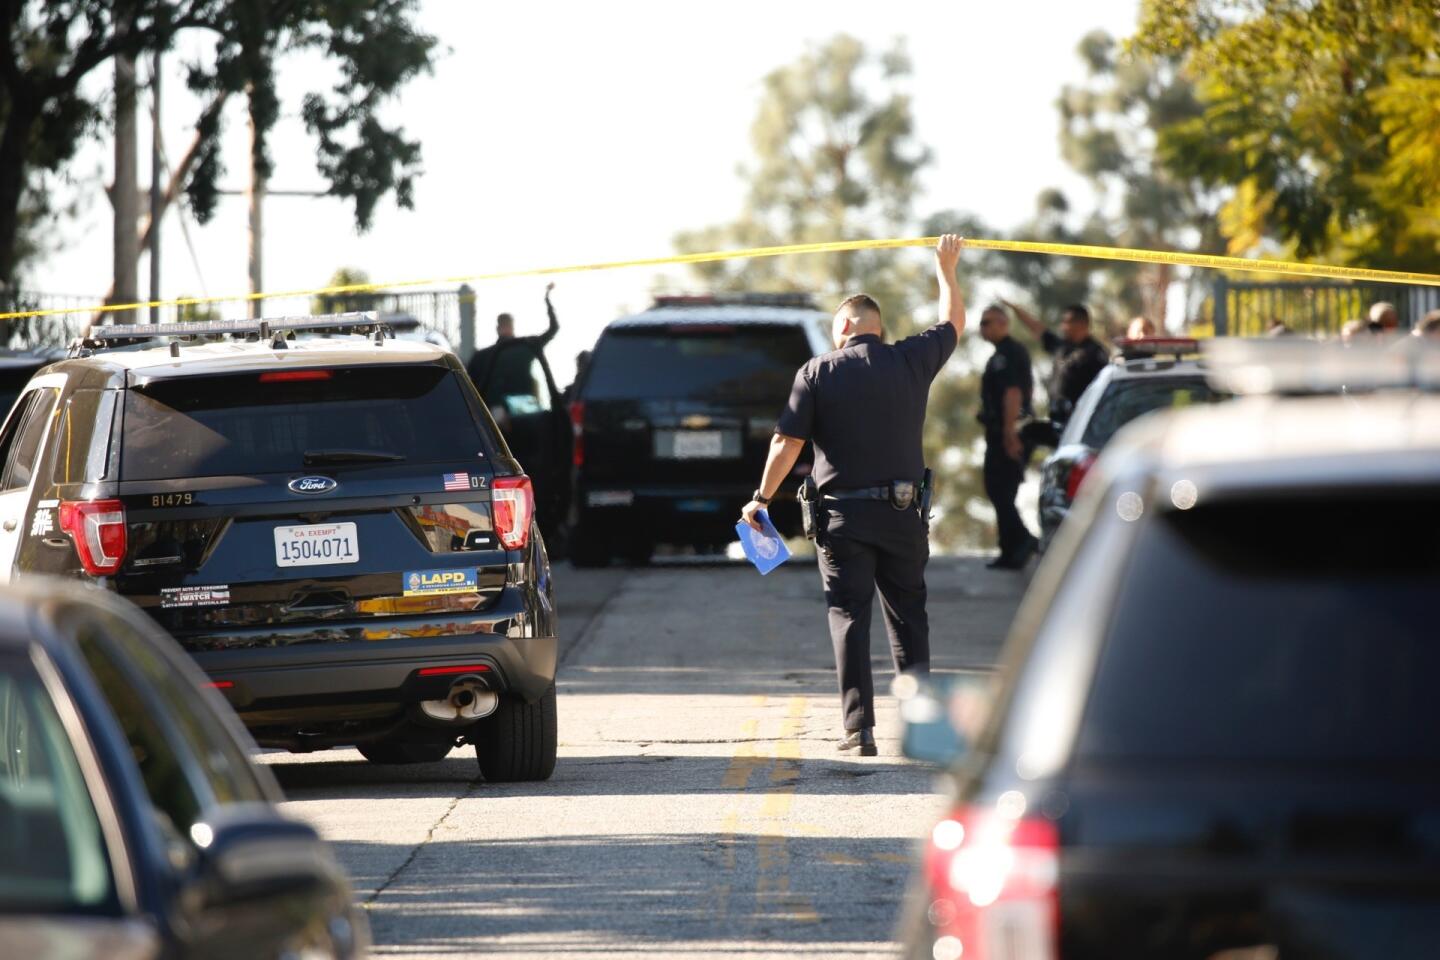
[(570, 132)]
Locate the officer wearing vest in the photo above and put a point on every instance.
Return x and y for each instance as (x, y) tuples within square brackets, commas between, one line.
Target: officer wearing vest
[(866, 501)]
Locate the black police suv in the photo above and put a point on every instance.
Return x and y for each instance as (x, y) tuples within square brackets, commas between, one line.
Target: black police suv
[(514, 379), (1216, 733), (132, 821), (332, 527), (673, 419), (1149, 375)]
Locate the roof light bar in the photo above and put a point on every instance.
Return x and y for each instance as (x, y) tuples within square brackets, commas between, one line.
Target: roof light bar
[(1147, 347), (99, 337)]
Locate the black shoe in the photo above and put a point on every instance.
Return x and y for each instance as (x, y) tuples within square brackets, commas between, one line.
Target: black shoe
[(864, 738), (1016, 560)]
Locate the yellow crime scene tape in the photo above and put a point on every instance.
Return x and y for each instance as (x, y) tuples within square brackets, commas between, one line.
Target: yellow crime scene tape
[(1127, 254)]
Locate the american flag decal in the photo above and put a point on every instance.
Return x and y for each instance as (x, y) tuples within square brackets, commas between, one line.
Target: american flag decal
[(456, 481)]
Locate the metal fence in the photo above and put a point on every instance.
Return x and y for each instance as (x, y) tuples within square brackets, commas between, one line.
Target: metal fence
[(441, 310), (1313, 308)]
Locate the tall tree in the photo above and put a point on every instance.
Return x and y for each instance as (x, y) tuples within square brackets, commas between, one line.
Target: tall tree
[(1319, 118), (1109, 128), (53, 46), (836, 157)]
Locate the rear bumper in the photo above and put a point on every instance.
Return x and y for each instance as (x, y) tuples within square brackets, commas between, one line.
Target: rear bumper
[(380, 661)]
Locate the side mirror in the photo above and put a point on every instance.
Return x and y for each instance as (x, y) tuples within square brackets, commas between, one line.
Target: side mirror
[(249, 850), (942, 715), (1040, 433)]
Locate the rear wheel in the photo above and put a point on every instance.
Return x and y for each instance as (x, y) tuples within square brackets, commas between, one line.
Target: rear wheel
[(392, 753), (518, 741)]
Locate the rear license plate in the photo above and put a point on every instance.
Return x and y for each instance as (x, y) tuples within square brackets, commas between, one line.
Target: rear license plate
[(317, 544), (698, 444)]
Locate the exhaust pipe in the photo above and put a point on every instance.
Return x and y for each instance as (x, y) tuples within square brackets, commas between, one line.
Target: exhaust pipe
[(469, 699)]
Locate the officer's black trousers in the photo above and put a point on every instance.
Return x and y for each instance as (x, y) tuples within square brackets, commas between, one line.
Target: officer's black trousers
[(1002, 484), (870, 544)]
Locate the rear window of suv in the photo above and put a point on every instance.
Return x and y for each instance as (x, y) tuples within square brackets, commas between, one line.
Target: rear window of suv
[(697, 361), (240, 424), (1297, 629)]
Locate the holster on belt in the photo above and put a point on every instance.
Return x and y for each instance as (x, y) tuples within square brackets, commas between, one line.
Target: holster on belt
[(927, 492), (811, 518)]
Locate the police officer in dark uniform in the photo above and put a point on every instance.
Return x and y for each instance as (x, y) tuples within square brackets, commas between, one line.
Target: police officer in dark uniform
[(1079, 357), (863, 407), (1005, 389)]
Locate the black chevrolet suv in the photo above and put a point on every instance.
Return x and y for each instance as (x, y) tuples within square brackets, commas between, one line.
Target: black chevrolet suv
[(673, 419), (331, 526)]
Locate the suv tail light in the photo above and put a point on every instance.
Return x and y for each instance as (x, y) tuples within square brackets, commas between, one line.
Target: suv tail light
[(577, 425), (513, 502), (1078, 471), (98, 529), (993, 882)]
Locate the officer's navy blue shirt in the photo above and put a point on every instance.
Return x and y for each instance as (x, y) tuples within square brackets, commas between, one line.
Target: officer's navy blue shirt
[(1008, 366), (1076, 367), (864, 408)]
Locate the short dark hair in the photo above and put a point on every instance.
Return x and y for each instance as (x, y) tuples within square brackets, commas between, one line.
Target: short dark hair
[(1431, 322), (863, 301), (504, 318), (1081, 314)]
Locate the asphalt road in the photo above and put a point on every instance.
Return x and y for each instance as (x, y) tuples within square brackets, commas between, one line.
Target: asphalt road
[(699, 808)]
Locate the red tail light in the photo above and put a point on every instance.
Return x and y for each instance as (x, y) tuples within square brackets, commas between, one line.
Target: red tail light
[(98, 529), (460, 668), (1078, 471), (993, 879), (291, 376), (577, 425), (513, 501)]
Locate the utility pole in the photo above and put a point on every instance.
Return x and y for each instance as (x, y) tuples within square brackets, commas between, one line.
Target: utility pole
[(256, 194), (157, 192), (124, 194)]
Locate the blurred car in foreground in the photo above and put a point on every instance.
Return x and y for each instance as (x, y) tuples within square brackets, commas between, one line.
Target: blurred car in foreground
[(1149, 375), (673, 419), (132, 823), (1216, 732)]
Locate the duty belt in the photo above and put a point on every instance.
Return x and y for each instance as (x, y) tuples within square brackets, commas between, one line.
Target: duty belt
[(859, 493)]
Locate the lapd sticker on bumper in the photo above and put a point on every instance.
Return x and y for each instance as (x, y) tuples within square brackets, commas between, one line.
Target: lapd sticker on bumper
[(177, 597), (425, 583)]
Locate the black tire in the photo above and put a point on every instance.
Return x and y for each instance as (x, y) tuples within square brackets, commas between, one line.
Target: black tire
[(518, 741), (393, 753)]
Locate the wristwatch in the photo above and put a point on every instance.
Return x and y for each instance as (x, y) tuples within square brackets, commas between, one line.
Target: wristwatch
[(759, 497)]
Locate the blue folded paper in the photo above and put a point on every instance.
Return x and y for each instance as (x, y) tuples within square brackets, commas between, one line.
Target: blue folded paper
[(764, 549)]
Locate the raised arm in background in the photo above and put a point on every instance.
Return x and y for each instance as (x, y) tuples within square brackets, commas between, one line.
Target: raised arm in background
[(1036, 328), (952, 303), (554, 327)]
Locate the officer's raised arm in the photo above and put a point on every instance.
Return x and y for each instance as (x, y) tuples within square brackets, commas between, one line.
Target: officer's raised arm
[(952, 303)]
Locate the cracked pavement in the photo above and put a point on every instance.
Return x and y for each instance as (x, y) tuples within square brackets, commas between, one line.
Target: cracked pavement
[(699, 807)]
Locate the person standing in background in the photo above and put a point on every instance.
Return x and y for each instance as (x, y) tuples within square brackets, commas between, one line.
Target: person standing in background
[(1005, 389), (1078, 356)]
